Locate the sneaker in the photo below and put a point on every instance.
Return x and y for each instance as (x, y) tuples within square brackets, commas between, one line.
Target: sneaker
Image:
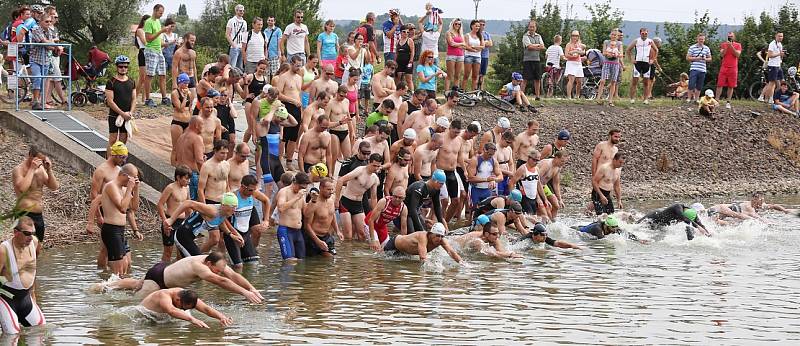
[(537, 99), (647, 102), (166, 102), (727, 105), (532, 109), (149, 103), (36, 106), (633, 101), (521, 109), (761, 98)]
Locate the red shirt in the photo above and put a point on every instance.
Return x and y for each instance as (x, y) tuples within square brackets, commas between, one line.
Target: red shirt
[(338, 69), (729, 60)]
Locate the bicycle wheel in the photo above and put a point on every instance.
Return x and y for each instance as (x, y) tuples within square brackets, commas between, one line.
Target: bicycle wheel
[(466, 101), (79, 99), (755, 90), (498, 103), (546, 87)]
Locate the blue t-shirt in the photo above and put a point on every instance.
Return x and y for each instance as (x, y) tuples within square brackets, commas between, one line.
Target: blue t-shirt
[(485, 51), (695, 51), (328, 45), (366, 74), (428, 71), (276, 34)]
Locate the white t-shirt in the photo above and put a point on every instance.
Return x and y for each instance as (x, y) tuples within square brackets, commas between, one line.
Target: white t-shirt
[(775, 47), (295, 38), (238, 28), (553, 54), (255, 47), (473, 41), (511, 88), (430, 41)]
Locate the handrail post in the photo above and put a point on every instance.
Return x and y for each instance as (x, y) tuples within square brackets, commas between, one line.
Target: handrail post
[(18, 67)]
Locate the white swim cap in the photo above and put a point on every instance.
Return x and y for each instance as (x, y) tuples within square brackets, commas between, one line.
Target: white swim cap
[(410, 133), (438, 229)]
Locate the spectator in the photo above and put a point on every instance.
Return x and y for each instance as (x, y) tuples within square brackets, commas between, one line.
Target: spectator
[(574, 68), (512, 92), (328, 45), (554, 54), (762, 56), (430, 41), (367, 29), (654, 66), (254, 47), (729, 69), (641, 64), (391, 34), (680, 88), (153, 58), (341, 63), (273, 35), (775, 54), (785, 101), (121, 100), (364, 91), (357, 55), (487, 45), (406, 50), (139, 42), (472, 54), (39, 57), (427, 72), (55, 60), (169, 42), (531, 66), (614, 54), (698, 54), (234, 30), (295, 39), (708, 105), (454, 61)]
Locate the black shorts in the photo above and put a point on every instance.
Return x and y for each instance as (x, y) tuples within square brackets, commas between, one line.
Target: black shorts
[(453, 183), (228, 126), (192, 82), (600, 208), (112, 125), (182, 124), (245, 254), (156, 274), (642, 67), (402, 67), (532, 70), (347, 205), (340, 134), (462, 175), (312, 249), (114, 239), (169, 240), (389, 246), (184, 241), (140, 58), (38, 225), (529, 205), (393, 135), (290, 133)]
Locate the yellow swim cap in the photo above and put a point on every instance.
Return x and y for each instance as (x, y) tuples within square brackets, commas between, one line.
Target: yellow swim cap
[(281, 112), (319, 170), (229, 199), (119, 149)]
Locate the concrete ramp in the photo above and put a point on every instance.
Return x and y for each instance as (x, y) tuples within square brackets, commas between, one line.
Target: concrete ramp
[(74, 129)]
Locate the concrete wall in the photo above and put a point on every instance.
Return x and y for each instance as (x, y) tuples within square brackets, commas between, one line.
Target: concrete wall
[(58, 145)]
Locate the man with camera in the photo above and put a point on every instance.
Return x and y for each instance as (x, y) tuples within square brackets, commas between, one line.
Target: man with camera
[(729, 69)]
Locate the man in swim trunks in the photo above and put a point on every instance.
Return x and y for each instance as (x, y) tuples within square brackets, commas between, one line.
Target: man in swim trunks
[(418, 194), (319, 221), (466, 152), (211, 268), (423, 158), (483, 174), (550, 176), (289, 84), (18, 269), (562, 139), (359, 181), (397, 174), (489, 235), (504, 156), (676, 213), (450, 102), (391, 208), (189, 152), (419, 120), (239, 165), (116, 198), (184, 60), (104, 173), (171, 302), (538, 234), (211, 129), (214, 175), (447, 160), (606, 178), (493, 135), (605, 150), (421, 243), (526, 178), (525, 141), (290, 201), (207, 219), (29, 179), (172, 196)]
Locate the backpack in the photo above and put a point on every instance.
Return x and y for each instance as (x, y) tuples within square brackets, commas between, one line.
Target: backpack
[(7, 30), (250, 34)]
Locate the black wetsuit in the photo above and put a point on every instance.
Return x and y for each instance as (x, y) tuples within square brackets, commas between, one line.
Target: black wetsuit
[(415, 195), (673, 214), (596, 229), (485, 205)]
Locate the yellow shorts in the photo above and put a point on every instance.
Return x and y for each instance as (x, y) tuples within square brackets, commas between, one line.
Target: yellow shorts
[(547, 191)]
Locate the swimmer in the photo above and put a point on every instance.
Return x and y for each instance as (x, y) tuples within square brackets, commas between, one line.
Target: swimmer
[(538, 234), (421, 243), (247, 221), (391, 208), (171, 302), (290, 201), (361, 180), (756, 204), (420, 192), (488, 234), (525, 142), (204, 218), (29, 179), (604, 151), (510, 216), (172, 196), (18, 269), (601, 229), (319, 221), (495, 202), (213, 181), (675, 214), (562, 139)]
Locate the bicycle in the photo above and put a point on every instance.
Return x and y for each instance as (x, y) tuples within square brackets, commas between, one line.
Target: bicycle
[(22, 80), (755, 89), (471, 98), (553, 81)]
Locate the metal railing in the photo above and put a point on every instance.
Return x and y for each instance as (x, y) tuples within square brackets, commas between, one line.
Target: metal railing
[(13, 50)]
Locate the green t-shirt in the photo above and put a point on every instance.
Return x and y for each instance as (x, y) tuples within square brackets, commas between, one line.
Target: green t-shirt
[(152, 26), (375, 117)]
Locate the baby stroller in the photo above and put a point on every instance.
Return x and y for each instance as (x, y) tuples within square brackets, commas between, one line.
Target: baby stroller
[(98, 61), (592, 73)]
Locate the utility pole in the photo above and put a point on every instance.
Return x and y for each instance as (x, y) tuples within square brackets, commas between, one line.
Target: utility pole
[(476, 8)]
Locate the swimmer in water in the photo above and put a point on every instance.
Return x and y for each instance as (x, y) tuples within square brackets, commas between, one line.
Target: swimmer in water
[(488, 234), (172, 302), (601, 229), (538, 234), (674, 214), (421, 243)]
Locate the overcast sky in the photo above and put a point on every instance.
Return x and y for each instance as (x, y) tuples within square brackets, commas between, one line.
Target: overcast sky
[(727, 11)]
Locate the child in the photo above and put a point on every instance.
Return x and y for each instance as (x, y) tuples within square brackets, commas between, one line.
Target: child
[(172, 196), (708, 104), (365, 92), (432, 18), (341, 60), (511, 92), (554, 54), (680, 88)]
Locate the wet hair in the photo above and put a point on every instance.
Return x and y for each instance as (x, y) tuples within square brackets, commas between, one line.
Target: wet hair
[(188, 298), (456, 124), (283, 68), (220, 144), (387, 103), (214, 256), (375, 157), (182, 171), (472, 128), (286, 178), (301, 178), (249, 180), (619, 156), (34, 151), (614, 131)]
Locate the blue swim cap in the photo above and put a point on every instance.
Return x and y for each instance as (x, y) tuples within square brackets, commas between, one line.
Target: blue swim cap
[(267, 178), (515, 195), (183, 78), (482, 220), (564, 135), (212, 93), (539, 229), (438, 176)]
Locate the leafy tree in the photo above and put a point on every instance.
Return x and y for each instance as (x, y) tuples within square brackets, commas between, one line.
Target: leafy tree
[(104, 20), (182, 10), (604, 18)]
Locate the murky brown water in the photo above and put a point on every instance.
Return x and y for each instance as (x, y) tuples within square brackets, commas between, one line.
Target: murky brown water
[(739, 287)]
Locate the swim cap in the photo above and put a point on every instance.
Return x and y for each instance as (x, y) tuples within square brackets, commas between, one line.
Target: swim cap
[(410, 133), (212, 93), (267, 178), (478, 124), (438, 176), (319, 170), (281, 113), (709, 93), (515, 207), (698, 206), (515, 195), (183, 78), (437, 229), (119, 149), (229, 199), (612, 221), (266, 88), (443, 122), (564, 135), (482, 219), (690, 214), (539, 229), (504, 123)]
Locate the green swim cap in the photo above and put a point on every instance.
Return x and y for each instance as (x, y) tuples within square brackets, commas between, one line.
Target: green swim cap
[(612, 222), (690, 214), (229, 199)]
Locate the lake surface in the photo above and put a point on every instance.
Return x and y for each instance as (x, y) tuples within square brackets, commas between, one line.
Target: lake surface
[(738, 287)]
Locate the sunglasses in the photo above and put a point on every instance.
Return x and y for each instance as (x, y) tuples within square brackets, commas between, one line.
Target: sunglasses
[(122, 66), (25, 233), (249, 189), (365, 153)]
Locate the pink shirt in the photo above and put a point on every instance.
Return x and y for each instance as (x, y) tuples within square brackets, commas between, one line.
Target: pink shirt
[(453, 50)]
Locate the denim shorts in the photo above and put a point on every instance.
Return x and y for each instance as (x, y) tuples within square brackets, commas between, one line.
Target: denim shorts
[(472, 59), (697, 79), (456, 58)]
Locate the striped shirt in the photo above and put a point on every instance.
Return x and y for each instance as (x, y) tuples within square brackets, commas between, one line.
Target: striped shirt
[(699, 51)]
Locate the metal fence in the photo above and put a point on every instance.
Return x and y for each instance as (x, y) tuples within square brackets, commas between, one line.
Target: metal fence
[(21, 71)]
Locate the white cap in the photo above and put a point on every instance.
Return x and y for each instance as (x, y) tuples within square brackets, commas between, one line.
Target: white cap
[(709, 93), (503, 122), (478, 124), (443, 122), (438, 229), (266, 88), (410, 133), (698, 206)]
